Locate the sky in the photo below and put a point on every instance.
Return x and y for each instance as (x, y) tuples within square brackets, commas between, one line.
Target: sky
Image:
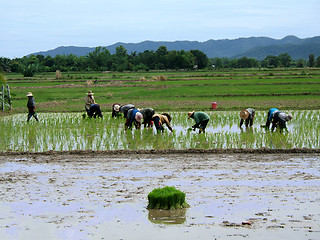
[(29, 26)]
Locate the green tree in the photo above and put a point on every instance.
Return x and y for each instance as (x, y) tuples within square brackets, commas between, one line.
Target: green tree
[(285, 60), (201, 59), (311, 61), (318, 62)]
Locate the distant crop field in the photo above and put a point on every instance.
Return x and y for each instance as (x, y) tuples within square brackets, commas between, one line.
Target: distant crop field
[(171, 91)]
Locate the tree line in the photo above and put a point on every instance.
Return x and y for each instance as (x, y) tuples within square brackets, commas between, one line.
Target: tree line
[(102, 60)]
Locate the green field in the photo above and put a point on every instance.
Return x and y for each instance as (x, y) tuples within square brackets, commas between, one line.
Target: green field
[(174, 91)]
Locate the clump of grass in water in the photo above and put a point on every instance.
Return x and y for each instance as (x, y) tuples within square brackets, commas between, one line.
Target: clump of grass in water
[(167, 198)]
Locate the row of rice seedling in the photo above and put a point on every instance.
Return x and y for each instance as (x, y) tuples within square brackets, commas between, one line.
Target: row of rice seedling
[(69, 131)]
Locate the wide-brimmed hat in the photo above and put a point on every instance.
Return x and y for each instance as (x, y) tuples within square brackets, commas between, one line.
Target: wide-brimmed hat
[(29, 94), (244, 114), (190, 114), (138, 116), (90, 93)]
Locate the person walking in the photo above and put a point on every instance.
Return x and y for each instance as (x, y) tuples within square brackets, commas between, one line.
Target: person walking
[(201, 119), (31, 105), (160, 119), (247, 116)]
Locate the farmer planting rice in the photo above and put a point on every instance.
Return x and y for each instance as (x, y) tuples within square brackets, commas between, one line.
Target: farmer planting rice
[(95, 111), (31, 107), (89, 101), (271, 113), (280, 119), (124, 109), (133, 116), (147, 116), (160, 119), (201, 119), (247, 116), (116, 110)]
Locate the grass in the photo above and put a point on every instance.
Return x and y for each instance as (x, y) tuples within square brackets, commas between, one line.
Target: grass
[(180, 91)]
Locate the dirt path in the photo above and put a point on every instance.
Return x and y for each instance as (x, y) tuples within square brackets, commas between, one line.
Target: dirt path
[(104, 196)]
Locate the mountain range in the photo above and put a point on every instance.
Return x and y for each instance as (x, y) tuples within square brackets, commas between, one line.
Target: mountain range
[(252, 47)]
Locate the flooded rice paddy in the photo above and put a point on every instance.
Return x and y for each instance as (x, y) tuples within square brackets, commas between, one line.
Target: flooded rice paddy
[(96, 196), (69, 131)]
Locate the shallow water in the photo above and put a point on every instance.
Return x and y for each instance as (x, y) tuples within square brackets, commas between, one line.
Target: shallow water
[(105, 197)]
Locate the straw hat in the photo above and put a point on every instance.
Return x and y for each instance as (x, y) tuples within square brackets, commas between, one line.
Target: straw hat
[(90, 93), (289, 117), (29, 94), (244, 114), (190, 114), (138, 117)]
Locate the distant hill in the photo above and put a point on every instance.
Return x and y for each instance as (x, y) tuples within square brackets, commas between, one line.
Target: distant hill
[(253, 47)]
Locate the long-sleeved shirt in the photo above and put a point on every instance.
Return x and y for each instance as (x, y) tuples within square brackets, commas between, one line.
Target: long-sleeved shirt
[(125, 108), (271, 113), (89, 101), (31, 104), (280, 118), (131, 116), (199, 117)]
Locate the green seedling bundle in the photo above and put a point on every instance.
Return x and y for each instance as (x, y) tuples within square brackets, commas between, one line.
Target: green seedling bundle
[(167, 198)]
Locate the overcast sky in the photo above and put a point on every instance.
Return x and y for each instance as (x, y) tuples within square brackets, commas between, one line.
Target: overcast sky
[(28, 26)]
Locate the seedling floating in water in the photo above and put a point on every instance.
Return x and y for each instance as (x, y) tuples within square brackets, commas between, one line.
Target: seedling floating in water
[(166, 198)]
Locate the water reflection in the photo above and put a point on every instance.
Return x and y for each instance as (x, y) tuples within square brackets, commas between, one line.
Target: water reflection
[(167, 216)]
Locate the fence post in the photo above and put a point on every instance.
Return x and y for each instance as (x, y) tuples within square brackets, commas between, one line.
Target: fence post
[(2, 98), (9, 97)]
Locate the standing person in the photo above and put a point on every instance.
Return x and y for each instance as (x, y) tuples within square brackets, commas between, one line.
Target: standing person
[(125, 108), (160, 119), (89, 101), (247, 116), (201, 119), (31, 107), (133, 116), (95, 111), (116, 110), (271, 113), (147, 116), (280, 119)]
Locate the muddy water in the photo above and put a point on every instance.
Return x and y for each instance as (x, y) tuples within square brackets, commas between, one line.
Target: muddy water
[(231, 196)]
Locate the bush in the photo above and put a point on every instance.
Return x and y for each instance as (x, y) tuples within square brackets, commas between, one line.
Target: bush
[(166, 198)]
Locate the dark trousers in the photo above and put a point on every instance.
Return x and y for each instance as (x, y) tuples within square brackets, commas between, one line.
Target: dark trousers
[(158, 124)]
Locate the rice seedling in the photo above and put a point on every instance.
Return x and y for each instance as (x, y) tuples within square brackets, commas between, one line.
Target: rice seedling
[(167, 198), (69, 131)]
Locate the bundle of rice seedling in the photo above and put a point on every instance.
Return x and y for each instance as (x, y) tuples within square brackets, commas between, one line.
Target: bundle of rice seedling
[(166, 198)]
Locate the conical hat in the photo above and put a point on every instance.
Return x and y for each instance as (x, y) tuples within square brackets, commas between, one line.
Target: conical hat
[(244, 114)]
